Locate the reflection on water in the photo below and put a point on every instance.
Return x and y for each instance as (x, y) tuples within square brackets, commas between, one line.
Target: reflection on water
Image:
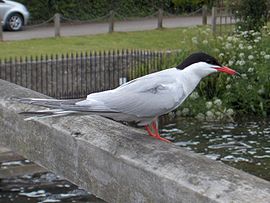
[(243, 145), (41, 188)]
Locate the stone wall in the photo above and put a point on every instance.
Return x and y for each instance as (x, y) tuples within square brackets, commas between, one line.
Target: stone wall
[(118, 163)]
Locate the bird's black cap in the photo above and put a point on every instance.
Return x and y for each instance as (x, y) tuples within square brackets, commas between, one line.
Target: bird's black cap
[(198, 57)]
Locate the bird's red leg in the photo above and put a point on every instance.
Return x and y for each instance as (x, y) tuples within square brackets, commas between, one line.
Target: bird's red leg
[(157, 133), (149, 131)]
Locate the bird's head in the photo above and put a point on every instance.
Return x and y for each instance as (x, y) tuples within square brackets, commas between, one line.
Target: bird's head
[(203, 64)]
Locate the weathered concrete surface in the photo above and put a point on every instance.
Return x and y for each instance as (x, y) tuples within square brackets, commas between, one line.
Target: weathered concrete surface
[(118, 163)]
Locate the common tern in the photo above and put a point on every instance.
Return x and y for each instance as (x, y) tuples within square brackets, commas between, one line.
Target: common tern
[(141, 100)]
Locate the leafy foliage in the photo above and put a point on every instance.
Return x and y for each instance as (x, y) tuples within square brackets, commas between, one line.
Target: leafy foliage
[(91, 9), (253, 14), (190, 5)]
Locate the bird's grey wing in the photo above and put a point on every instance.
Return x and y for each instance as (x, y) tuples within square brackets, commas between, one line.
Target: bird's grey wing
[(143, 98)]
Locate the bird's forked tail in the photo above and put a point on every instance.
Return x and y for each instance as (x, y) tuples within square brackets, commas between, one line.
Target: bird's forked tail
[(56, 107)]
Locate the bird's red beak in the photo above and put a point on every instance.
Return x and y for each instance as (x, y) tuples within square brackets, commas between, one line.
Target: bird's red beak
[(227, 70)]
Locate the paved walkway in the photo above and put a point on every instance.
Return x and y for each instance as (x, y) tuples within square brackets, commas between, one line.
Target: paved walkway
[(98, 28)]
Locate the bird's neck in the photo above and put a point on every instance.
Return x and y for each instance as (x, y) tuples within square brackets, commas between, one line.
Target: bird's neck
[(191, 80)]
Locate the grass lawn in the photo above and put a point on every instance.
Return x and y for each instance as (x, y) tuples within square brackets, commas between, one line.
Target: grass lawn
[(154, 40)]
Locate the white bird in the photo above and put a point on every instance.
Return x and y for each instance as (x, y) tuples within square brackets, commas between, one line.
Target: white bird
[(141, 100)]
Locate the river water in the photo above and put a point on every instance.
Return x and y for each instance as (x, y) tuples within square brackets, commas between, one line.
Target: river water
[(244, 145)]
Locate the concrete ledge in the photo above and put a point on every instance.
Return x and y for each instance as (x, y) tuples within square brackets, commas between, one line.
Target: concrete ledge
[(118, 163)]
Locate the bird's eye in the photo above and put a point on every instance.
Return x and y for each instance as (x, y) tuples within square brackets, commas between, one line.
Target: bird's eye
[(208, 61)]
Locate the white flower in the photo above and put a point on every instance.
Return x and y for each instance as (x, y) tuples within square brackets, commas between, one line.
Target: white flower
[(256, 40), (178, 113), (218, 102), (210, 116), (250, 57), (241, 55), (200, 117), (250, 70), (205, 42), (209, 105), (216, 50), (244, 76), (185, 111), (228, 86), (194, 40), (249, 47), (249, 87), (204, 32), (209, 113), (219, 115), (244, 32), (231, 62), (221, 55), (230, 38), (242, 62), (241, 46), (220, 38), (194, 95), (267, 56), (228, 45), (261, 91), (235, 39), (229, 112), (262, 53)]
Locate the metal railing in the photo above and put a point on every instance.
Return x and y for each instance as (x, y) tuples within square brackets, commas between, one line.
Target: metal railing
[(76, 75)]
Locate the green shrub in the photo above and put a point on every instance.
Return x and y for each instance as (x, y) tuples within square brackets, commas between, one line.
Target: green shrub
[(253, 14), (89, 9), (191, 5), (221, 96)]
